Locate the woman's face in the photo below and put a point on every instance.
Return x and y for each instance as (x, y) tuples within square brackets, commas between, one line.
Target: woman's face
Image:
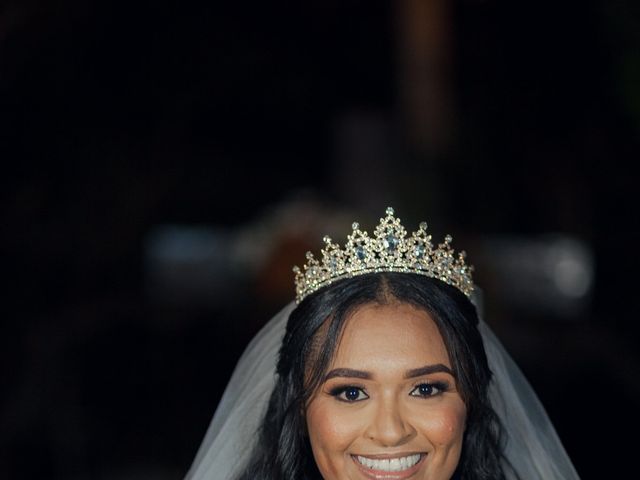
[(388, 406)]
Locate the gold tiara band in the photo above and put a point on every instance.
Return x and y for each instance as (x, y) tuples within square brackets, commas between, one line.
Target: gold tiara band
[(388, 250)]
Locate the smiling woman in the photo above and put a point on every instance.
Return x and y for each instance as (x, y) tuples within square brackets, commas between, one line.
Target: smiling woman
[(382, 370), (387, 367), (391, 408)]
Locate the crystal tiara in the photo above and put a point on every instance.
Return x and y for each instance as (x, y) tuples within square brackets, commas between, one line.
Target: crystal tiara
[(388, 250)]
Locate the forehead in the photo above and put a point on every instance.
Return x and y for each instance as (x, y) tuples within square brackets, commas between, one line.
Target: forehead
[(396, 334)]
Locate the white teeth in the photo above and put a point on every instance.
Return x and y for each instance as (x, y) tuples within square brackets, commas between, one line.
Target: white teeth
[(390, 465)]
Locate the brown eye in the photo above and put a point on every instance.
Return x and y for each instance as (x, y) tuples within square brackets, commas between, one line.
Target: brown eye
[(352, 394), (428, 389), (349, 394)]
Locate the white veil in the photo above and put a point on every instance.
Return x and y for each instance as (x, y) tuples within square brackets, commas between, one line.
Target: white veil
[(533, 448)]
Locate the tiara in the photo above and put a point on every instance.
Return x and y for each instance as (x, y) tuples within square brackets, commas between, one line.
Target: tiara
[(388, 250)]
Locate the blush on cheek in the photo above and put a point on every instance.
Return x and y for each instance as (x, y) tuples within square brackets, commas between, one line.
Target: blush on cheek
[(330, 436), (338, 426), (447, 427)]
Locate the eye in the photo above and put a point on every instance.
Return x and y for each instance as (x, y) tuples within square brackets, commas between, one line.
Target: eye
[(349, 394), (428, 389)]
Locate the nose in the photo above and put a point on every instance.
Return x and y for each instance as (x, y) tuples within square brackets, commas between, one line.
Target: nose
[(389, 424)]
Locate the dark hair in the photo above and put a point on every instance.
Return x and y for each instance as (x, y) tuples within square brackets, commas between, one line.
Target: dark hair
[(283, 452)]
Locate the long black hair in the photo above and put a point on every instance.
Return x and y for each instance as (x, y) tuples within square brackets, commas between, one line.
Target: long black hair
[(282, 450)]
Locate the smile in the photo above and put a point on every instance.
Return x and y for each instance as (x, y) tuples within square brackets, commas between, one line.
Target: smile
[(397, 464)]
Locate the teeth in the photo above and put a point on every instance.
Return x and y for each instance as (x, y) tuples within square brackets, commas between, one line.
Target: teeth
[(390, 465)]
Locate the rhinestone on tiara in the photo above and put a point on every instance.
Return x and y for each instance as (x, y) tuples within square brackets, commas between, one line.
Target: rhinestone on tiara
[(388, 250)]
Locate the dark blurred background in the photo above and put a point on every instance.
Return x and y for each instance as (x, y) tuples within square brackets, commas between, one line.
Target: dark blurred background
[(164, 165)]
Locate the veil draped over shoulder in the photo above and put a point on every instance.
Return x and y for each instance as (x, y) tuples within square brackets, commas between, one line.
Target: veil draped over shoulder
[(533, 448)]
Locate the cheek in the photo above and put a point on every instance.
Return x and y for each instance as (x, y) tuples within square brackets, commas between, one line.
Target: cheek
[(445, 428), (329, 430), (332, 432)]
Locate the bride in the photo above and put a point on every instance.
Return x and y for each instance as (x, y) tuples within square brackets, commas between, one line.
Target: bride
[(381, 370)]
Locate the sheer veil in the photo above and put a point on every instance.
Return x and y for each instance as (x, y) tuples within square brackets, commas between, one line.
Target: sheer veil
[(232, 432), (533, 448)]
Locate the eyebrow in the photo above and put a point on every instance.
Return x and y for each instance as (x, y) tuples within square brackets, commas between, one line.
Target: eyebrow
[(415, 372), (427, 369), (347, 373)]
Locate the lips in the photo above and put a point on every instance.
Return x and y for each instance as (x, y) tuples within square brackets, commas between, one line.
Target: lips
[(398, 467)]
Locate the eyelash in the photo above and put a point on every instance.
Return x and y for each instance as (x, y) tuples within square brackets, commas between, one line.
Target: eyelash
[(439, 387), (340, 392)]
